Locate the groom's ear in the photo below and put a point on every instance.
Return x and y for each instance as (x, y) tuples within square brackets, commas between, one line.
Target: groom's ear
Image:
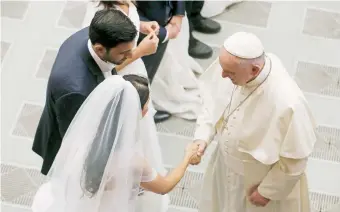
[(99, 49)]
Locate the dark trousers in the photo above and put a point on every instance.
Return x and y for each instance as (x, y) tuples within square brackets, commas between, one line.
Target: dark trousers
[(193, 10), (152, 61)]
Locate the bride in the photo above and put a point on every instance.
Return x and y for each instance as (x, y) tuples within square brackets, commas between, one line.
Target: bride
[(135, 65), (102, 162)]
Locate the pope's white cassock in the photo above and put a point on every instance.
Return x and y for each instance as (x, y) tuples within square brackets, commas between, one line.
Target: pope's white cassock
[(266, 141)]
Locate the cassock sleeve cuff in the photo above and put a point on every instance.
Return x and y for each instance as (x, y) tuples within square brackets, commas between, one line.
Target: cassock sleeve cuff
[(282, 178), (204, 133)]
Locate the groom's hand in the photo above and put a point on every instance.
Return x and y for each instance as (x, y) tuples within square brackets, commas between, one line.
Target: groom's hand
[(172, 30), (147, 27), (177, 21)]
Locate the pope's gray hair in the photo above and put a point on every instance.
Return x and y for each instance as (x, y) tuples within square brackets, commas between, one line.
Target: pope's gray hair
[(253, 62)]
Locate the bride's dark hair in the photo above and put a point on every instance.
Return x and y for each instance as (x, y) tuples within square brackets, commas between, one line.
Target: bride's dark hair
[(110, 4), (142, 86), (100, 150)]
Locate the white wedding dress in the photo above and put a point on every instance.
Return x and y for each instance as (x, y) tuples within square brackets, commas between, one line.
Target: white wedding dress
[(149, 131), (212, 7), (175, 86)]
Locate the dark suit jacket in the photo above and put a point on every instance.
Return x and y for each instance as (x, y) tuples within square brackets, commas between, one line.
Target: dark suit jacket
[(158, 11), (74, 76)]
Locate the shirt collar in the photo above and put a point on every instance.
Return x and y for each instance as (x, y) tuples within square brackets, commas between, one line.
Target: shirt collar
[(262, 76), (104, 66)]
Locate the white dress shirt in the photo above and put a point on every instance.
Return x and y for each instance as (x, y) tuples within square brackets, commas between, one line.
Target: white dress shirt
[(105, 67)]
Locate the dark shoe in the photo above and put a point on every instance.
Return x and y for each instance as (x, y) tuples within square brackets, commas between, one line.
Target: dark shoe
[(206, 25), (199, 50), (161, 116)]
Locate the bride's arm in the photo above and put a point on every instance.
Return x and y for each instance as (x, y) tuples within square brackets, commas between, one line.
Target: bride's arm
[(146, 47), (163, 185), (136, 54)]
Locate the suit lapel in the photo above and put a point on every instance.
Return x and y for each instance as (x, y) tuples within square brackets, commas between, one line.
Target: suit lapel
[(91, 64), (95, 70)]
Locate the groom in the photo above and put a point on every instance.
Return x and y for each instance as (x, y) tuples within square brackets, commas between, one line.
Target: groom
[(83, 61)]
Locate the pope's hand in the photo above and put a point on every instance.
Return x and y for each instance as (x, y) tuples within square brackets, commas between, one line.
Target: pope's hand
[(256, 198), (191, 152), (202, 145)]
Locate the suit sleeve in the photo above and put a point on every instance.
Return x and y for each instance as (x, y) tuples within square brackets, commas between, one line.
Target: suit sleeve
[(179, 7), (66, 108)]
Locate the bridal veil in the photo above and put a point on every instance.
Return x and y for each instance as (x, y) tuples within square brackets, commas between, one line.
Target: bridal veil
[(101, 157)]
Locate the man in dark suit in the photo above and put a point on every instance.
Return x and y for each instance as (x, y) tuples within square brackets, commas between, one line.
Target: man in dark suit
[(198, 49), (168, 14), (83, 61)]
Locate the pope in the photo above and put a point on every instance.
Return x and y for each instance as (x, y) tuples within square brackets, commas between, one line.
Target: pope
[(264, 131)]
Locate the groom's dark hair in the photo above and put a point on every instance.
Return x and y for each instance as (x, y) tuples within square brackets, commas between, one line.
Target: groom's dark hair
[(110, 27)]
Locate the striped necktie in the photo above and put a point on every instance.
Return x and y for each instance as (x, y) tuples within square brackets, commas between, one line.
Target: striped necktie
[(114, 71)]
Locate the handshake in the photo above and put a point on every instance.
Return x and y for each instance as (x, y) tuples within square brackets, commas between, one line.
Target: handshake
[(195, 151)]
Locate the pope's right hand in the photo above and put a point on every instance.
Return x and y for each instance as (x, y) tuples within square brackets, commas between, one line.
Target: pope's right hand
[(200, 149), (191, 153), (202, 145)]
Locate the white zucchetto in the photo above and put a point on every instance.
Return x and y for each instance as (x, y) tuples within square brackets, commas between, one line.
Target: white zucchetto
[(244, 45)]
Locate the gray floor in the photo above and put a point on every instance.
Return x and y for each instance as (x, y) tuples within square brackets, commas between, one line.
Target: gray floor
[(305, 35)]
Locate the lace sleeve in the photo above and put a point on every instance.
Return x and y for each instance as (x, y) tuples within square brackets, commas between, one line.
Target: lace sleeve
[(149, 174)]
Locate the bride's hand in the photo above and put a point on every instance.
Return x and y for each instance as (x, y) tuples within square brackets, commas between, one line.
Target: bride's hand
[(195, 160), (191, 154), (148, 45)]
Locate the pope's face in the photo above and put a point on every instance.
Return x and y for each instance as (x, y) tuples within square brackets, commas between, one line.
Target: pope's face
[(235, 68)]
